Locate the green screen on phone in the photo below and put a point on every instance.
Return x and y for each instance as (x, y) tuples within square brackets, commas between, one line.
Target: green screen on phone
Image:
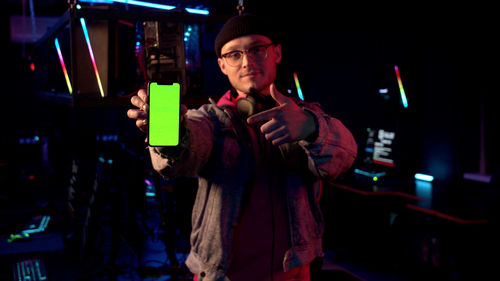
[(164, 107)]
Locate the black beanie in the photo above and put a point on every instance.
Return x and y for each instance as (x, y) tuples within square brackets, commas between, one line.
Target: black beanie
[(241, 25)]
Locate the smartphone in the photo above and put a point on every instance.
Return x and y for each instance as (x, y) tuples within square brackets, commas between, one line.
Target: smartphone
[(163, 117)]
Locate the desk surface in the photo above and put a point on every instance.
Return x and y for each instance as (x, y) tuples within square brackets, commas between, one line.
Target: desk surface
[(463, 202)]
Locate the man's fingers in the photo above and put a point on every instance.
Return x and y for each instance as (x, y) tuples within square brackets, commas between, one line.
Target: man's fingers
[(270, 126), (143, 94), (264, 115), (281, 140), (136, 114), (276, 134), (142, 124), (138, 102), (141, 113)]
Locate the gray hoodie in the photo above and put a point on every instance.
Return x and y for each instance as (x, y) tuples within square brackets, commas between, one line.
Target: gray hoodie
[(219, 150)]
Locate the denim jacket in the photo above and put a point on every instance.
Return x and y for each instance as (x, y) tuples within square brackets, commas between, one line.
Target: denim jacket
[(217, 150)]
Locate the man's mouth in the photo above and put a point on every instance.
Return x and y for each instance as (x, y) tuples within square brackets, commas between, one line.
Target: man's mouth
[(250, 74)]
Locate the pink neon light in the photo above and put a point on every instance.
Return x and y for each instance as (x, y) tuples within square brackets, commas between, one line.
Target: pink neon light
[(87, 39), (61, 60)]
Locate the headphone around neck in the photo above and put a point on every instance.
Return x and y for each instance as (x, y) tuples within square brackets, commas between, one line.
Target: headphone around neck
[(253, 103)]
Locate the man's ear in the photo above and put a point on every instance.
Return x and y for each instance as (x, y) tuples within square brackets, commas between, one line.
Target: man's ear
[(222, 65), (277, 53)]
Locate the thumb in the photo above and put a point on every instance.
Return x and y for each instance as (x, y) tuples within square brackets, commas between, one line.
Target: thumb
[(277, 96)]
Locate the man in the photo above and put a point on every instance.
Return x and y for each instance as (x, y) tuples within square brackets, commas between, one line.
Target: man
[(256, 215)]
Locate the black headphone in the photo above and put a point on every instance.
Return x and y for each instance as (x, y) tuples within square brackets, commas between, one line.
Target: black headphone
[(253, 103)]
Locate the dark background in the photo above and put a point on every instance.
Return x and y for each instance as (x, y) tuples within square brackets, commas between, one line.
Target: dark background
[(342, 53), (445, 54)]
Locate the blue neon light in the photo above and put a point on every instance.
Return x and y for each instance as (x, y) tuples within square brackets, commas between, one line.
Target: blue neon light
[(133, 2), (424, 177), (370, 174), (146, 4), (197, 11), (98, 1), (40, 228)]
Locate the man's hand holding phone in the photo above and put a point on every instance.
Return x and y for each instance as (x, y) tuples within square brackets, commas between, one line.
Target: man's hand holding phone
[(159, 113), (141, 114)]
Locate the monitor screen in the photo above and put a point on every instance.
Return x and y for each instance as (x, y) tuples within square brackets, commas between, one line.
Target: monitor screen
[(379, 155), (381, 144)]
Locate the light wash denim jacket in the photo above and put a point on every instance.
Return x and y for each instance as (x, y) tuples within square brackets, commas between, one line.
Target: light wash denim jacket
[(216, 150)]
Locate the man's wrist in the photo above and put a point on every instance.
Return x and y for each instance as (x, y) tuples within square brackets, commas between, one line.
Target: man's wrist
[(312, 126), (175, 151)]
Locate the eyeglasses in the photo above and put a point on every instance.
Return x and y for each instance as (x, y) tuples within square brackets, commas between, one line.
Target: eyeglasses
[(258, 53)]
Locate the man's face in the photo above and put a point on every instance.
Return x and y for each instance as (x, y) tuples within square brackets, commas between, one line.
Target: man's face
[(251, 74)]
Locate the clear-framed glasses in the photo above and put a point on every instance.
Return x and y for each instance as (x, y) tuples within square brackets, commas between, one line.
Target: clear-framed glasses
[(258, 53)]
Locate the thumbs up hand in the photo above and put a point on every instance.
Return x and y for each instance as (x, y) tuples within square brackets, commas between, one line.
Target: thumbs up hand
[(287, 122)]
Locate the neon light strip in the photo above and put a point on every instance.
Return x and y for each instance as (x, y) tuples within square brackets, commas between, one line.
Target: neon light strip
[(424, 177), (86, 33), (297, 84), (369, 174), (146, 4), (46, 222), (43, 224), (401, 90), (132, 2), (97, 1), (33, 21), (58, 48), (197, 11)]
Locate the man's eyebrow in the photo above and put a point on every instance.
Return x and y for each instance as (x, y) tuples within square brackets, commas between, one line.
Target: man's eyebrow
[(233, 50)]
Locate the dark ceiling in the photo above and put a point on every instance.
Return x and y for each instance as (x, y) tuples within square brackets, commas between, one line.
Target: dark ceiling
[(56, 7), (349, 14)]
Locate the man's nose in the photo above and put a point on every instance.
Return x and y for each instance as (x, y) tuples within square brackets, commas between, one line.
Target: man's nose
[(247, 61)]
